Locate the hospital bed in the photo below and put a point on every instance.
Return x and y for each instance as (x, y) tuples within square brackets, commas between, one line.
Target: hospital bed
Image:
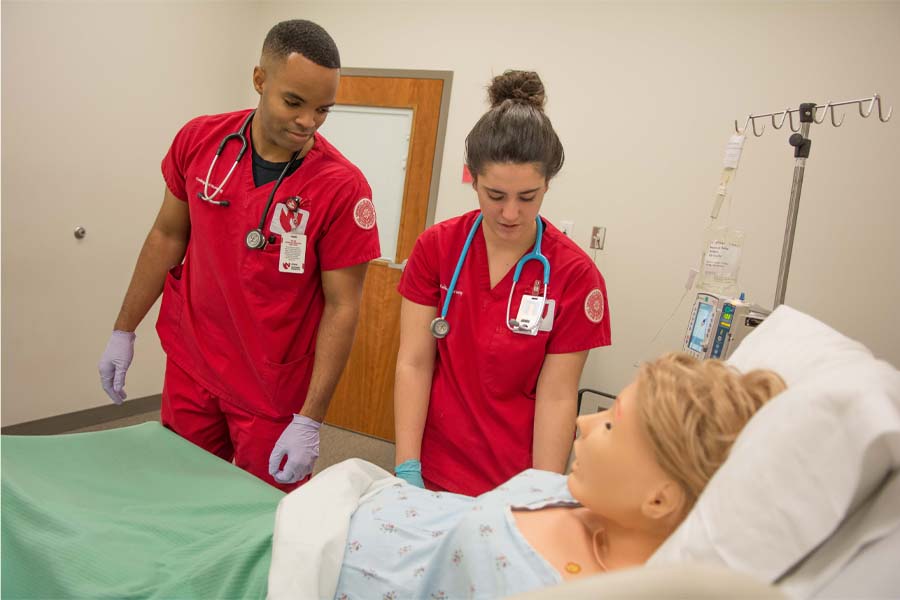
[(807, 504), (136, 512)]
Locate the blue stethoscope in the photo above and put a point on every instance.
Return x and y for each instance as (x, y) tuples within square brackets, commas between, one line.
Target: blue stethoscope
[(255, 238), (440, 327)]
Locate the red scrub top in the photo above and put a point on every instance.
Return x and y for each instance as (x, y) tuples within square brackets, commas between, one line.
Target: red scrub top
[(229, 317), (480, 423)]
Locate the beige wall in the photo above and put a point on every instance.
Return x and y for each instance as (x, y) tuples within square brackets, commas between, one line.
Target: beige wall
[(92, 95), (643, 96)]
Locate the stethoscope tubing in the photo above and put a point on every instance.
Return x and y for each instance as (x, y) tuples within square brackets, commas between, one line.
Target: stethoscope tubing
[(255, 238), (238, 135), (535, 254), (262, 219), (459, 264)]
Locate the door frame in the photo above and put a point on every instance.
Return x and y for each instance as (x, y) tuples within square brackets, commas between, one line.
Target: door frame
[(370, 369), (447, 77)]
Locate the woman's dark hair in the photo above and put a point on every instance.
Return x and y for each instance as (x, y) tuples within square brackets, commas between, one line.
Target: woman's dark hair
[(302, 37), (515, 130)]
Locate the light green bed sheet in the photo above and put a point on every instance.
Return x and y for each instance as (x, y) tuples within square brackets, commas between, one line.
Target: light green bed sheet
[(136, 512)]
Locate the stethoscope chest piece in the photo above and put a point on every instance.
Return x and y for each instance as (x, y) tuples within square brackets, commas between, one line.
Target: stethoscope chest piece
[(440, 328), (255, 239)]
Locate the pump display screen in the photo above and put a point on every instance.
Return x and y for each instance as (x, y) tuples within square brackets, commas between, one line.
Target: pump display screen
[(701, 326)]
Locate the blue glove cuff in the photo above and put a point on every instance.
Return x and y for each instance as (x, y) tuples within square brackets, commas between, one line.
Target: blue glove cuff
[(410, 466)]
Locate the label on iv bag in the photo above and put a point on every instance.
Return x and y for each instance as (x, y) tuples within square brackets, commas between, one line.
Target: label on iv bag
[(293, 253), (722, 247), (721, 259), (733, 151)]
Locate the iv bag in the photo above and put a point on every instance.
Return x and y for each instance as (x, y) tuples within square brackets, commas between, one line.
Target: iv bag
[(721, 261)]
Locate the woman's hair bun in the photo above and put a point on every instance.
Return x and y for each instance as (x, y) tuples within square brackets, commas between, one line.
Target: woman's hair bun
[(519, 86)]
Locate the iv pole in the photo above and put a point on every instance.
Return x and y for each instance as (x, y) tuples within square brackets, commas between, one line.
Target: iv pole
[(802, 145)]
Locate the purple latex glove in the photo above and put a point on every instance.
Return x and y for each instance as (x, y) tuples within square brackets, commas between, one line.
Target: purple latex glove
[(300, 443), (114, 364)]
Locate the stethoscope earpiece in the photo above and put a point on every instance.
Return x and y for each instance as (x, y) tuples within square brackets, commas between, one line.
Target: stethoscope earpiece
[(224, 203)]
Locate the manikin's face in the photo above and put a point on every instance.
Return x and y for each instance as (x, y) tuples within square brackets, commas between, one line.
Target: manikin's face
[(510, 197), (615, 470), (295, 97)]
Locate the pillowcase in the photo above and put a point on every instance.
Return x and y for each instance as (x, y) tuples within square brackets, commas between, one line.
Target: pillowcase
[(805, 460)]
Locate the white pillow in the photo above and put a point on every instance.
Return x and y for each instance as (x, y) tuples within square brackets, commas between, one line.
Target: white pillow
[(805, 461)]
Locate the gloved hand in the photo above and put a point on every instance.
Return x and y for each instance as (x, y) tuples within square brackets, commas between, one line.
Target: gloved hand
[(114, 364), (300, 443), (410, 471)]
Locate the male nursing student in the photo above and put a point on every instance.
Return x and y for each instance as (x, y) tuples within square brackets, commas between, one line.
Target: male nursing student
[(258, 319), (483, 390)]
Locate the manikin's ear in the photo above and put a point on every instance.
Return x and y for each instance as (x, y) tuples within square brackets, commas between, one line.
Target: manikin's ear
[(259, 77), (666, 500)]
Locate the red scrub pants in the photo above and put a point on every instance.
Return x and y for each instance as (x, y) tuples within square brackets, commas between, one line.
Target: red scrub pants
[(219, 427)]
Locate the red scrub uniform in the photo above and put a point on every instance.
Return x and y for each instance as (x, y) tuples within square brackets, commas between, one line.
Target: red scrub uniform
[(240, 332), (479, 428)]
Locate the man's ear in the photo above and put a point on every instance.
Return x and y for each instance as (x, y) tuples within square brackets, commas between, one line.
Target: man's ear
[(665, 501), (259, 77)]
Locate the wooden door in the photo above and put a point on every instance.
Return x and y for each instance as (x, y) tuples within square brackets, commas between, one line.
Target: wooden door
[(364, 398)]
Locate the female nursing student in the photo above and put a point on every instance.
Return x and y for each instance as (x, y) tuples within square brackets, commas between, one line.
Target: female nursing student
[(484, 387)]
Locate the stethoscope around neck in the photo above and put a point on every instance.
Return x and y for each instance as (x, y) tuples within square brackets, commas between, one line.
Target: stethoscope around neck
[(255, 238), (440, 327)]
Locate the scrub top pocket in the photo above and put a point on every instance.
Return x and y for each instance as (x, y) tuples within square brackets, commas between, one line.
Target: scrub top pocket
[(513, 363), (286, 383), (172, 306)]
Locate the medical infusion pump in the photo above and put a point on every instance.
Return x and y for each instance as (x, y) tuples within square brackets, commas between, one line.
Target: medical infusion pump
[(718, 324)]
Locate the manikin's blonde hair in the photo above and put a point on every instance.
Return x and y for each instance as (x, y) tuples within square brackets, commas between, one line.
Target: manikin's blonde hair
[(693, 411)]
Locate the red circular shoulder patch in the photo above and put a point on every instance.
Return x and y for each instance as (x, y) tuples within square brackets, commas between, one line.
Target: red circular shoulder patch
[(593, 306), (364, 213)]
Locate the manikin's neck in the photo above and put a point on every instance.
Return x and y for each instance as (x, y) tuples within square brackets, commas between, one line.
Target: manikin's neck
[(618, 546)]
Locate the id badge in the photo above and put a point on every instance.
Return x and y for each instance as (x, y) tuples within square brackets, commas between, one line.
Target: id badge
[(293, 253), (547, 321), (530, 311)]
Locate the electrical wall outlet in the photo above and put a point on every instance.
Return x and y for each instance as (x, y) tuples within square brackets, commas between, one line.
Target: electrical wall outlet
[(598, 238), (567, 227)]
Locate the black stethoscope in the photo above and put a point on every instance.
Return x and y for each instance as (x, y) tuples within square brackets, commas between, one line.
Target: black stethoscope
[(255, 238)]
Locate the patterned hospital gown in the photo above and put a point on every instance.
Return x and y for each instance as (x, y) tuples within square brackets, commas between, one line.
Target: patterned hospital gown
[(405, 542)]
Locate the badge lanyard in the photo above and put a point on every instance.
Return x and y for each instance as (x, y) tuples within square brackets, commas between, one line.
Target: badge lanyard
[(293, 243)]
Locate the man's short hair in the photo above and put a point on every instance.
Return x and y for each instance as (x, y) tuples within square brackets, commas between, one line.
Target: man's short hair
[(302, 37)]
